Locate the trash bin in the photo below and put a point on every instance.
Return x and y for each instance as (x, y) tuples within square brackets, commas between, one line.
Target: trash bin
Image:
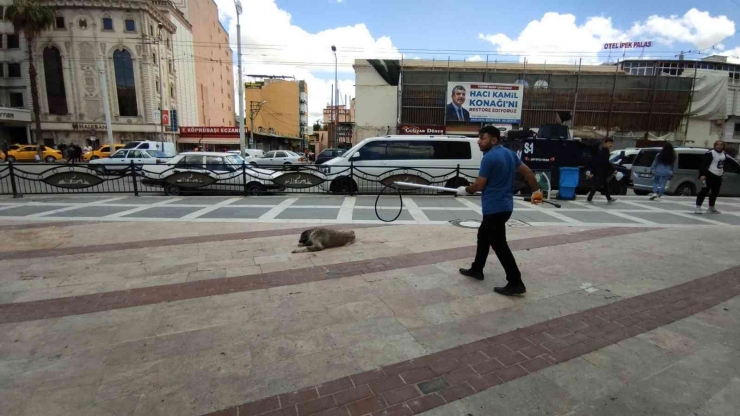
[(568, 183)]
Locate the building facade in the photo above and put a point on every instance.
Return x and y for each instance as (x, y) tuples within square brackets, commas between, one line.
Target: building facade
[(345, 124), (603, 99), (15, 101), (283, 110), (700, 130), (214, 69)]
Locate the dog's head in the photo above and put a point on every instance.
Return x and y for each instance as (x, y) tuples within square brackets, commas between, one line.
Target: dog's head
[(304, 237)]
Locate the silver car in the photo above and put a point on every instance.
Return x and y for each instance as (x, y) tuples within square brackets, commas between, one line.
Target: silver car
[(685, 180)]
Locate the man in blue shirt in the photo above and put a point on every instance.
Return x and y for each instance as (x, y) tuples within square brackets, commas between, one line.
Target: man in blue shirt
[(496, 179)]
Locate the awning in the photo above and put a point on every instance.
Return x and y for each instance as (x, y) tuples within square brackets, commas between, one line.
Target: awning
[(209, 140)]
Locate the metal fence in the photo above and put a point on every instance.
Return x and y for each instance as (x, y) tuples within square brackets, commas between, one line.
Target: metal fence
[(20, 179)]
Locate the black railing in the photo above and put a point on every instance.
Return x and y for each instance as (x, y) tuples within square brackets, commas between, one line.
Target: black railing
[(20, 179)]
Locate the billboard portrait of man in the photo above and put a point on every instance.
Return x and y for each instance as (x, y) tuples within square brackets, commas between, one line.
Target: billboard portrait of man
[(455, 110)]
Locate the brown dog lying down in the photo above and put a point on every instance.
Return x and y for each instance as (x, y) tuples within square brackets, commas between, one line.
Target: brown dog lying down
[(317, 239)]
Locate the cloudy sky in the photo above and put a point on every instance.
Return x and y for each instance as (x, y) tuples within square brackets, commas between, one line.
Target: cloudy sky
[(294, 37)]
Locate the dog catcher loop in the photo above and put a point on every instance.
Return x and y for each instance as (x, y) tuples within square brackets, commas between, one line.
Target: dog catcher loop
[(398, 185)]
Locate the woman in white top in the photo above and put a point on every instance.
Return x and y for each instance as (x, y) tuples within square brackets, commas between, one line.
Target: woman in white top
[(710, 174)]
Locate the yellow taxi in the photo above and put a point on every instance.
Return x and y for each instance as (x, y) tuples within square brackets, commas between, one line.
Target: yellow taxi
[(103, 151), (27, 153)]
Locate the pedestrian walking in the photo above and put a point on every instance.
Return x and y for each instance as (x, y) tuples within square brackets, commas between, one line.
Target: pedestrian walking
[(710, 174), (5, 149), (601, 172), (70, 154), (496, 180), (662, 170)]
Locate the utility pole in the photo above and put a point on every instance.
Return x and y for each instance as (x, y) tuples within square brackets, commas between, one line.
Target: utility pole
[(254, 109), (336, 96), (161, 82), (242, 146)]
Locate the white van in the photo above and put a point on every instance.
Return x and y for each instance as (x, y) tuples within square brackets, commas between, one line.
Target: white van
[(165, 147), (427, 160)]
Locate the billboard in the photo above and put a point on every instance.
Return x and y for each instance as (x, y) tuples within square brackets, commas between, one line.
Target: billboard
[(484, 102)]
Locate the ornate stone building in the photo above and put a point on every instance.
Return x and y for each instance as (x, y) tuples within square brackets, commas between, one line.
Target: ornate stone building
[(130, 44)]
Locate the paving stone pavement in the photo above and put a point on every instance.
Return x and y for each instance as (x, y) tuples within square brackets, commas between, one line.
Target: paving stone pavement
[(327, 209), (617, 320)]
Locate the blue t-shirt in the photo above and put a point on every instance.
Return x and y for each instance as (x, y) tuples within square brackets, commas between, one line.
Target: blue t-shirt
[(499, 166)]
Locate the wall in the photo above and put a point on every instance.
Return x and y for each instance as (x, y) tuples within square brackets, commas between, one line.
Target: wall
[(281, 111), (7, 84), (214, 70), (185, 82), (376, 103)]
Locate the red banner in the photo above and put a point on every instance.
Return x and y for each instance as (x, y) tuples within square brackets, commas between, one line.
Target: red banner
[(210, 131)]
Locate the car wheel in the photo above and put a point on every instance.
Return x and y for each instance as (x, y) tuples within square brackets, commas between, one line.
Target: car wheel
[(172, 190), (50, 159), (253, 164), (94, 158), (10, 159), (255, 189), (641, 193), (686, 189), (343, 186)]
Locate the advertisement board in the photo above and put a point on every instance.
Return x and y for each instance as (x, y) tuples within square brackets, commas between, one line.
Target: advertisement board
[(484, 102)]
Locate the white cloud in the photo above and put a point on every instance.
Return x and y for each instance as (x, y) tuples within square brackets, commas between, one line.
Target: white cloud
[(559, 38), (273, 45), (695, 27), (733, 55), (475, 58)]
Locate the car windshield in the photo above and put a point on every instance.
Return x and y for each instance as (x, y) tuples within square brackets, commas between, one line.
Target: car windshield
[(233, 160), (354, 148), (615, 157)]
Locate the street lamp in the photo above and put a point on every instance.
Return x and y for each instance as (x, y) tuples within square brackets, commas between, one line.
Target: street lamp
[(336, 96), (161, 79), (238, 5)]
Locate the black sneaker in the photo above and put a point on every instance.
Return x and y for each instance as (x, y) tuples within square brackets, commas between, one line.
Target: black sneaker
[(475, 274), (510, 290)]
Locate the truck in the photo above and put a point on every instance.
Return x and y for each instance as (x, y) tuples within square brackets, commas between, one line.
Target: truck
[(550, 148)]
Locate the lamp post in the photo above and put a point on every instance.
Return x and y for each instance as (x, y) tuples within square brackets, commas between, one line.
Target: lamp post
[(238, 5), (161, 80), (336, 96)]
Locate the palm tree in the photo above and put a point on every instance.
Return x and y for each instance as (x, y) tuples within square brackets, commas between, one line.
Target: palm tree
[(31, 18)]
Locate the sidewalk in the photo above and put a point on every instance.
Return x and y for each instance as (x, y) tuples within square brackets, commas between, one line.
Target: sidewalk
[(192, 318)]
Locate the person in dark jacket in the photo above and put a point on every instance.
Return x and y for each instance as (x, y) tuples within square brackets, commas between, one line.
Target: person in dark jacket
[(601, 172), (710, 174)]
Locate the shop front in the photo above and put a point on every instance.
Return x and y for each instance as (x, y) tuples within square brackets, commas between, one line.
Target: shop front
[(222, 139), (14, 125)]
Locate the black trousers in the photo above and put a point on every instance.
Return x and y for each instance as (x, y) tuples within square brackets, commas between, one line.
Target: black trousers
[(714, 182), (492, 234), (599, 182)]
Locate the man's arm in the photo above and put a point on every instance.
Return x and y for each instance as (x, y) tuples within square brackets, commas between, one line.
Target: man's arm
[(477, 186), (529, 176)]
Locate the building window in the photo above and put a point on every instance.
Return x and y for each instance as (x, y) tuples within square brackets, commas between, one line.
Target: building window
[(156, 86), (737, 127), (56, 95), (14, 70), (107, 23), (59, 22), (172, 90), (167, 42), (125, 83), (2, 13), (16, 99), (169, 65), (130, 25), (2, 70), (13, 42), (151, 30), (154, 58)]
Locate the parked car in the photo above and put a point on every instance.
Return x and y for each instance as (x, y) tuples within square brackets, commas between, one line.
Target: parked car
[(101, 152), (27, 153), (164, 147), (432, 159), (250, 155), (280, 157), (122, 159), (624, 158), (685, 180), (224, 170), (329, 154)]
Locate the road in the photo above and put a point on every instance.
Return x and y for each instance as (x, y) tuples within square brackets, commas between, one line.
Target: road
[(672, 212)]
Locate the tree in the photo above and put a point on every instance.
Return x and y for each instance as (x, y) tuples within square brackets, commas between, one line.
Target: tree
[(31, 18)]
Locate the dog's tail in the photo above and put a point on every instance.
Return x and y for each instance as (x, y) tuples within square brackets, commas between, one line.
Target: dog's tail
[(352, 237)]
